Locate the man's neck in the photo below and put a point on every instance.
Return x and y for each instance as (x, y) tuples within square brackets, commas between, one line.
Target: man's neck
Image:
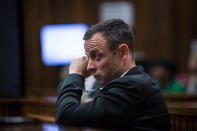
[(128, 64), (129, 68)]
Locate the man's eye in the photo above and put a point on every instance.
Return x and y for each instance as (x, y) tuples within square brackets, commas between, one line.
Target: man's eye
[(93, 56), (97, 58)]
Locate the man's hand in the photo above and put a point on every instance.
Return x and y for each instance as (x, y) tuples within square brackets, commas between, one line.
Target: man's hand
[(79, 66)]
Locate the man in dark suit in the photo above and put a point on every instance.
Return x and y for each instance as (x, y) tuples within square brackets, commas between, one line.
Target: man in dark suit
[(129, 99)]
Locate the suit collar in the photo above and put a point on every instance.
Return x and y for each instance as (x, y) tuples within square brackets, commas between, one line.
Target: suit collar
[(134, 70)]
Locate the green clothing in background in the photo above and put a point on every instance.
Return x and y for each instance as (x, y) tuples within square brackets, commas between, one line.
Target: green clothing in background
[(173, 87)]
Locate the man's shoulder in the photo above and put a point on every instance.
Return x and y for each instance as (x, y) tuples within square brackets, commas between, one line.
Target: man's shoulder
[(131, 81), (138, 81), (138, 77)]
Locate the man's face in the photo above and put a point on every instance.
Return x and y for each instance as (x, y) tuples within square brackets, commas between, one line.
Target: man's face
[(102, 63)]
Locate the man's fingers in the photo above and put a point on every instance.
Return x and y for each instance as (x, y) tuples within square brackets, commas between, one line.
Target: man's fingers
[(79, 66)]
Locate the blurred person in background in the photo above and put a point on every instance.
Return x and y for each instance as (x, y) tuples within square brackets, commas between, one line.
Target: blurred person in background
[(164, 73)]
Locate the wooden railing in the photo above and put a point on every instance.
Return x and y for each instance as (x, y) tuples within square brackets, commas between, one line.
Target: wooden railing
[(42, 108), (182, 110), (183, 115)]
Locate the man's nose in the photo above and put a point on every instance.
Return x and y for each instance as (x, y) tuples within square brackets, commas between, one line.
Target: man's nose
[(91, 65)]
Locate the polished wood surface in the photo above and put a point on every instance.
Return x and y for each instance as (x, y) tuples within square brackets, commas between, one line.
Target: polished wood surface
[(43, 127), (180, 97), (183, 108)]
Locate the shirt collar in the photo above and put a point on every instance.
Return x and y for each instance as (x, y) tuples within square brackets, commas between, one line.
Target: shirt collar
[(124, 73)]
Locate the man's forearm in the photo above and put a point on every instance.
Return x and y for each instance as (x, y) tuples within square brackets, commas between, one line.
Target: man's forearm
[(69, 96)]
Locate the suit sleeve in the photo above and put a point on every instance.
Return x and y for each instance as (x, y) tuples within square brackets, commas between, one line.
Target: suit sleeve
[(111, 103)]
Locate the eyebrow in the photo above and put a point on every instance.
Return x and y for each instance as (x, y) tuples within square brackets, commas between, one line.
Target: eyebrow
[(93, 52)]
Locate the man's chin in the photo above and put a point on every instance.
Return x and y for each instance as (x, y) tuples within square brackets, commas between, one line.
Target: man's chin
[(101, 83)]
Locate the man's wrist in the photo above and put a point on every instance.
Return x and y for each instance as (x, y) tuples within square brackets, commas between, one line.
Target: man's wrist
[(74, 72), (77, 74)]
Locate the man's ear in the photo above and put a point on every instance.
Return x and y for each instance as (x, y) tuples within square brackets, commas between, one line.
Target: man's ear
[(123, 50)]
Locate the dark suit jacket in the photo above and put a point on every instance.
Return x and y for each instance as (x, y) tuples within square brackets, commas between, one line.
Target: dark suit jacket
[(131, 102)]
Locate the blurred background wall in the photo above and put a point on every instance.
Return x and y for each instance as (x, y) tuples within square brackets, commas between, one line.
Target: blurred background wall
[(163, 28)]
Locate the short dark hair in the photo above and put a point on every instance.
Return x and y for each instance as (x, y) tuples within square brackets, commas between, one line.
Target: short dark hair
[(115, 31)]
